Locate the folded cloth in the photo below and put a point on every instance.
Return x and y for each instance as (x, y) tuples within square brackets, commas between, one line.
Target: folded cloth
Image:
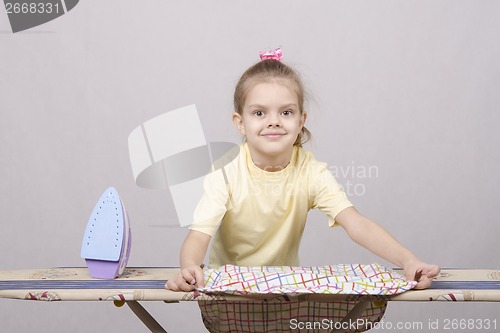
[(371, 279)]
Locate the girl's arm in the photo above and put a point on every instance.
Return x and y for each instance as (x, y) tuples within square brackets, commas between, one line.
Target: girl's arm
[(192, 254), (373, 237)]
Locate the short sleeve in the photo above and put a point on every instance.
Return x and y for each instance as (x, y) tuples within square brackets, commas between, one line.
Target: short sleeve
[(327, 194), (213, 204)]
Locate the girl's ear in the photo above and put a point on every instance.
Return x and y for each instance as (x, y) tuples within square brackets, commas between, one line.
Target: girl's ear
[(303, 118), (238, 122)]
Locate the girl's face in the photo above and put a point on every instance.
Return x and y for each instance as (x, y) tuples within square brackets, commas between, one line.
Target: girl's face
[(271, 121)]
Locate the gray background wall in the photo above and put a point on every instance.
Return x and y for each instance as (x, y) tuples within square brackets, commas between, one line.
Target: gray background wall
[(406, 89)]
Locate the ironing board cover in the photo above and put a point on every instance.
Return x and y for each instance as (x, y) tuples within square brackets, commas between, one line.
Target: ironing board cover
[(281, 314)]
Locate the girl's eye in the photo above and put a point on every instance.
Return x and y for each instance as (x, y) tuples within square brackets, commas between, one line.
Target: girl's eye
[(258, 113), (287, 112)]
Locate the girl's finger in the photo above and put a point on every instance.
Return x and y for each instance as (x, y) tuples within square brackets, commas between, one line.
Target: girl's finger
[(200, 278), (188, 277)]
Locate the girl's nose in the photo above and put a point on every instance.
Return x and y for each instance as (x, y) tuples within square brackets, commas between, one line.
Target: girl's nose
[(274, 121)]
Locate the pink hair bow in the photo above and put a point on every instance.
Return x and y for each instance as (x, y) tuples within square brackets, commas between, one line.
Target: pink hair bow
[(273, 55)]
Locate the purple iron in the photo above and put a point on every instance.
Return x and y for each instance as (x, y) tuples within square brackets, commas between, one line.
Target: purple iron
[(107, 240)]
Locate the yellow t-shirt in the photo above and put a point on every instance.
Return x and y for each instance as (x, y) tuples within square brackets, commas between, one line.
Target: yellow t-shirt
[(258, 217)]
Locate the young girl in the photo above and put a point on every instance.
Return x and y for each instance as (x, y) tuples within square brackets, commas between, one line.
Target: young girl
[(256, 206)]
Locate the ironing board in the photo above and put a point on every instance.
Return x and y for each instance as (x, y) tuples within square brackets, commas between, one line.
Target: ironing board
[(147, 284)]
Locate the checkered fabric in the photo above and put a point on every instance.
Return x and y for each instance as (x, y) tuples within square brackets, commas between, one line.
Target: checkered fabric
[(338, 279), (280, 313), (283, 315)]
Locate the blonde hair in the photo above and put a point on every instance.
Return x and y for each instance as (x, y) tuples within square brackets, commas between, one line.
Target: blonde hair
[(271, 71)]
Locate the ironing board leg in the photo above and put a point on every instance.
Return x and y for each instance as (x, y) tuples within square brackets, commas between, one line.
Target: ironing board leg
[(353, 315), (145, 317)]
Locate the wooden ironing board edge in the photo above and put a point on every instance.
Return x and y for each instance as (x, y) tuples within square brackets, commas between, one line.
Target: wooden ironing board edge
[(138, 274)]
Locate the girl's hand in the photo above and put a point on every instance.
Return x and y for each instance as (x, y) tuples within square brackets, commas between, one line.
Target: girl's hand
[(421, 272), (188, 279)]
